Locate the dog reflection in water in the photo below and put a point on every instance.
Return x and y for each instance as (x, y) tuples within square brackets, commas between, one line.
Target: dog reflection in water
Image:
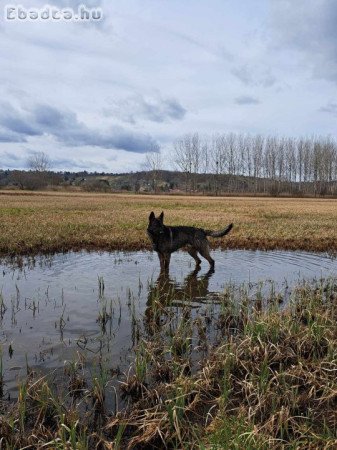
[(167, 293)]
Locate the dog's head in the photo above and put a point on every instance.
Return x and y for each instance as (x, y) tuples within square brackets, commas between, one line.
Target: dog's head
[(156, 225)]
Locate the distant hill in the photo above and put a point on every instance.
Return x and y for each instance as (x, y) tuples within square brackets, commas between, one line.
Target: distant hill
[(161, 182)]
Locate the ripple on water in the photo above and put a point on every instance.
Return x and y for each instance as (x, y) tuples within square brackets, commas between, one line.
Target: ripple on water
[(64, 289)]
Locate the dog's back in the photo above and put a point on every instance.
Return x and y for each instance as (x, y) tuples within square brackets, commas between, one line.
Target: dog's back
[(181, 236)]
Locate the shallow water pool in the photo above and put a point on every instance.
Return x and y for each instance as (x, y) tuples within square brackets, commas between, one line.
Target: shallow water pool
[(88, 304)]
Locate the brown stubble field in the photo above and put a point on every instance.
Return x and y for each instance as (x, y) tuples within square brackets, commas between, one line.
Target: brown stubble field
[(52, 221)]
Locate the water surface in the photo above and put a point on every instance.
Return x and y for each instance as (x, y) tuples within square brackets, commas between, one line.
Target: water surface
[(51, 307)]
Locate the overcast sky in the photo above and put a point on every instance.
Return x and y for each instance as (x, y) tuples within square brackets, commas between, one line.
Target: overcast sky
[(99, 95)]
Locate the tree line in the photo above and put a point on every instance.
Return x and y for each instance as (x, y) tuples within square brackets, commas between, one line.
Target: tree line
[(272, 164), (212, 165)]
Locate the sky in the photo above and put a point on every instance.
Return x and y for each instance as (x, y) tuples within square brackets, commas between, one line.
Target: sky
[(99, 95)]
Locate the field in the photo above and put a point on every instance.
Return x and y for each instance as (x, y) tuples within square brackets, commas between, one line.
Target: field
[(50, 222), (244, 368)]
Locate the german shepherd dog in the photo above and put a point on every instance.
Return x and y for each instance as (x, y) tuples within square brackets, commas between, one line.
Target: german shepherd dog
[(166, 240)]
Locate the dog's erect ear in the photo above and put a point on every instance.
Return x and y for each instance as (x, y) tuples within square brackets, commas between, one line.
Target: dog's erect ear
[(151, 216), (161, 217)]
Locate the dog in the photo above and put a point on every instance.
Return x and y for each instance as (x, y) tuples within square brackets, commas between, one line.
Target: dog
[(166, 240)]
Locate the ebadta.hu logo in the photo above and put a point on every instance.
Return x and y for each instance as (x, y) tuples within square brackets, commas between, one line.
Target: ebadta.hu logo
[(53, 13)]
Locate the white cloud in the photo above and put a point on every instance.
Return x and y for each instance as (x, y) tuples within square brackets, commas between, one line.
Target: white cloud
[(154, 70)]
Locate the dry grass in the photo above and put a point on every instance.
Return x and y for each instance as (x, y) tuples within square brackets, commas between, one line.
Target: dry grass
[(270, 383), (49, 222)]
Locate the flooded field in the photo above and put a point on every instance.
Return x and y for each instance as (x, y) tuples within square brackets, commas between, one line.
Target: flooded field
[(96, 307)]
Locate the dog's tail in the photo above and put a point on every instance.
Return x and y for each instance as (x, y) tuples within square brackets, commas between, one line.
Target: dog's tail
[(220, 233)]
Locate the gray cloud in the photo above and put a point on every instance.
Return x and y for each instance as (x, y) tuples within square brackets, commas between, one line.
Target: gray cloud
[(251, 76), (15, 123), (8, 136), (158, 48), (330, 108), (246, 100), (63, 163), (243, 74), (10, 156), (154, 109), (11, 160), (67, 129), (217, 51), (14, 160), (308, 26)]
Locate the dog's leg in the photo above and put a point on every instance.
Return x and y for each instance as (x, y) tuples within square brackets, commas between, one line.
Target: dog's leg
[(193, 252), (204, 251), (167, 259), (162, 262)]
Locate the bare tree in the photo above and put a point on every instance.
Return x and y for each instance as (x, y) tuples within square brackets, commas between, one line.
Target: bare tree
[(196, 155), (215, 160), (301, 161), (277, 164), (257, 159), (39, 162), (154, 163), (183, 158), (204, 155)]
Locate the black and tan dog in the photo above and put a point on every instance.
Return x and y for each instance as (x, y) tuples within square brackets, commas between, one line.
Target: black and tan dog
[(166, 240)]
